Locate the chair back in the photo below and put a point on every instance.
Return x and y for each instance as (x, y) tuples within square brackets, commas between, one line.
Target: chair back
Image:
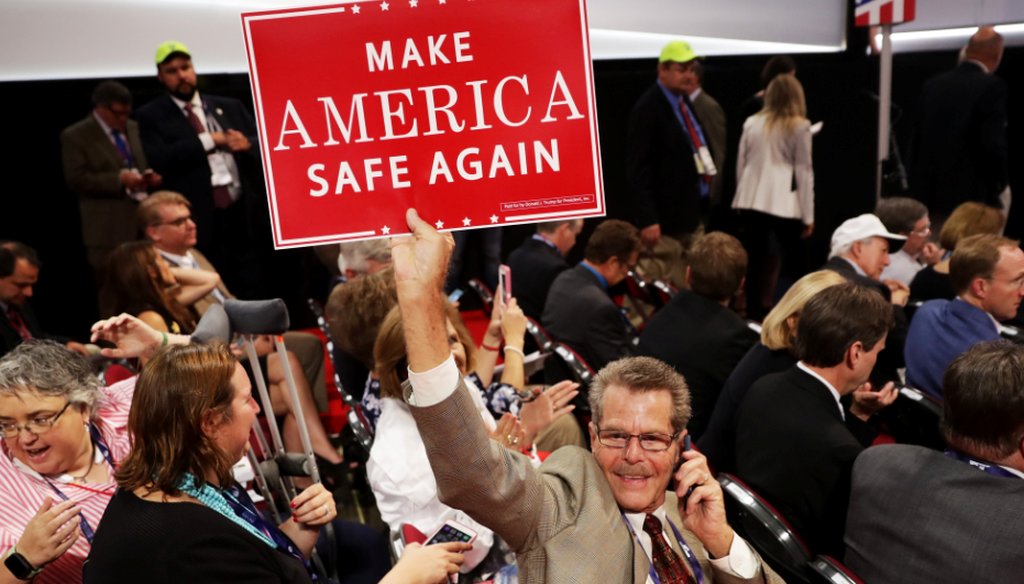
[(914, 419), (483, 291), (356, 421), (765, 529), (828, 570)]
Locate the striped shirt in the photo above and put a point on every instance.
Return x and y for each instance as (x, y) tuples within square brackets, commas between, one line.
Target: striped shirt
[(22, 491)]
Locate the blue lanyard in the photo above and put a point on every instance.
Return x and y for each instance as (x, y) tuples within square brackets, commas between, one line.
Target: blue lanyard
[(97, 442), (691, 558), (244, 508), (986, 467)]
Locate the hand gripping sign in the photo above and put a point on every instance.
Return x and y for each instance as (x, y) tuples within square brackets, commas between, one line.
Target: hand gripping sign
[(478, 113)]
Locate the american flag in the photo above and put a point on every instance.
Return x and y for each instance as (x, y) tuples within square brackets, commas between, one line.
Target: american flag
[(875, 12)]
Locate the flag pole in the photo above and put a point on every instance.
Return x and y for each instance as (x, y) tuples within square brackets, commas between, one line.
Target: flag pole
[(884, 100)]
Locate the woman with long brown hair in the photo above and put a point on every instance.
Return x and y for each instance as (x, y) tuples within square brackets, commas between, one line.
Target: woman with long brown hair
[(775, 190), (178, 515), (140, 282)]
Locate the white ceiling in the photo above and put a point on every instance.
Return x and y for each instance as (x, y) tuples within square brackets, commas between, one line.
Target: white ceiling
[(55, 39)]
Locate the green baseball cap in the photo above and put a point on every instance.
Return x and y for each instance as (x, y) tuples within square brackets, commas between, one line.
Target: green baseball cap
[(165, 50), (678, 51)]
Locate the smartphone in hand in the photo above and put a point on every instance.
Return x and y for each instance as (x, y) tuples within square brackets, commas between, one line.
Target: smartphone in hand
[(452, 530), (505, 283)]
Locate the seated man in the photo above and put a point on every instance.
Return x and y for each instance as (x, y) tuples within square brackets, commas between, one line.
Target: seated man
[(860, 252), (166, 219), (578, 310), (795, 443), (19, 271), (696, 332), (917, 515), (987, 271), (909, 218), (540, 259), (579, 517)]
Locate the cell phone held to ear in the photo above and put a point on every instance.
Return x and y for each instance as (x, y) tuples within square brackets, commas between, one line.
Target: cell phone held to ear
[(452, 530), (673, 483)]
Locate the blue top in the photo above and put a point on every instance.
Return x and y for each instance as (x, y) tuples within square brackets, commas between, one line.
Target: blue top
[(939, 332)]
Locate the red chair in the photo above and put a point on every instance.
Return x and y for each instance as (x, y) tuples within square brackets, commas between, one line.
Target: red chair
[(766, 530), (828, 570)]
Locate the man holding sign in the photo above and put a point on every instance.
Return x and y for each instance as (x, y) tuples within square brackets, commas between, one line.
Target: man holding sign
[(579, 517)]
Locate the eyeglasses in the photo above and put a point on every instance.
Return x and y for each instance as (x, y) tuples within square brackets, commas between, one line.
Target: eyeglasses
[(1017, 282), (922, 232), (651, 441), (37, 425), (177, 222), (121, 113)]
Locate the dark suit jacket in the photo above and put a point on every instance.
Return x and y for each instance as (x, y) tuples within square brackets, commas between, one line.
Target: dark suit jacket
[(92, 169), (176, 153), (561, 518), (9, 336), (891, 358), (704, 341), (961, 151), (712, 121), (659, 166), (795, 450), (918, 516), (718, 442), (579, 313), (535, 265)]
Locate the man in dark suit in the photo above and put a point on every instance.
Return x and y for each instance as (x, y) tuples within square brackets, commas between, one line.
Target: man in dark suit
[(537, 262), (104, 165), (669, 166), (581, 517), (19, 272), (206, 148), (696, 332), (860, 252), (961, 147), (795, 441), (917, 515), (579, 312)]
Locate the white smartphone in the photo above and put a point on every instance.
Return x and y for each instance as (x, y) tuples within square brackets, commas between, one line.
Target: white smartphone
[(452, 530)]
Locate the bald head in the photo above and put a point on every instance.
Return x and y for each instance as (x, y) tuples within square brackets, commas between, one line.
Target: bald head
[(985, 46)]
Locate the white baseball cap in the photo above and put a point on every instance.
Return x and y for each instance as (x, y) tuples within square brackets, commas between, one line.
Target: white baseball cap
[(863, 227)]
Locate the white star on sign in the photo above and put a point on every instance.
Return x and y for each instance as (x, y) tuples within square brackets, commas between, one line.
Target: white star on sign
[(466, 221), (440, 1), (439, 224), (385, 230), (384, 6), (356, 9), (494, 218), (414, 3)]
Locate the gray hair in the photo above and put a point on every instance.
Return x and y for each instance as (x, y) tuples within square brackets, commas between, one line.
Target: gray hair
[(640, 375), (49, 369), (354, 255), (845, 249)]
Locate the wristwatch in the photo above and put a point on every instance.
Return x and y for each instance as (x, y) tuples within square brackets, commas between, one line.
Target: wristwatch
[(19, 566)]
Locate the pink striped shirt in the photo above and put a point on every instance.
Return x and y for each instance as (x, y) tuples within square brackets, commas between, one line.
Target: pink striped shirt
[(22, 493)]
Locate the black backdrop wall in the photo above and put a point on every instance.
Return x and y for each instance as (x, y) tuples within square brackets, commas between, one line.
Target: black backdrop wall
[(37, 207)]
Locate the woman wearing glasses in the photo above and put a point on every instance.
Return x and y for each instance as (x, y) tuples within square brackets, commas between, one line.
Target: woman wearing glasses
[(63, 437)]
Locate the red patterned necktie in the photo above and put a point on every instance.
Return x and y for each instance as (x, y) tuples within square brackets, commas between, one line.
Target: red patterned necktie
[(18, 323), (221, 194), (667, 563)]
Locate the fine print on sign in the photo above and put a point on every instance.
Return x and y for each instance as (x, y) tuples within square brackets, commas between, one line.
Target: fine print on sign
[(478, 113)]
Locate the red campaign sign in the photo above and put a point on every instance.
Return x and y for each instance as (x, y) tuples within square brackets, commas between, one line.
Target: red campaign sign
[(478, 113)]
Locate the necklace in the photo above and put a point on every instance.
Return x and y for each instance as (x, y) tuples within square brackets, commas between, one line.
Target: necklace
[(92, 460)]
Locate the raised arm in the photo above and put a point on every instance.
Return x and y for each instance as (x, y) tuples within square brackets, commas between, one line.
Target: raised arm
[(194, 284)]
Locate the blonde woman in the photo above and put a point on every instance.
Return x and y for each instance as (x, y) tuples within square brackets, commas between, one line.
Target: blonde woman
[(776, 352), (775, 189)]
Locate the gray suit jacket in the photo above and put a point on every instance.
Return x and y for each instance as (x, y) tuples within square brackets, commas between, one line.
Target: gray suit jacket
[(92, 168), (561, 519), (712, 120), (917, 515)]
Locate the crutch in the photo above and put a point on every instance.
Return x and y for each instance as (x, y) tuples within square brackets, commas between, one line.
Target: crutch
[(250, 318)]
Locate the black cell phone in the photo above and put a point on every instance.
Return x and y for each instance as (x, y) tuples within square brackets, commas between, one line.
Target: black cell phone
[(673, 483)]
